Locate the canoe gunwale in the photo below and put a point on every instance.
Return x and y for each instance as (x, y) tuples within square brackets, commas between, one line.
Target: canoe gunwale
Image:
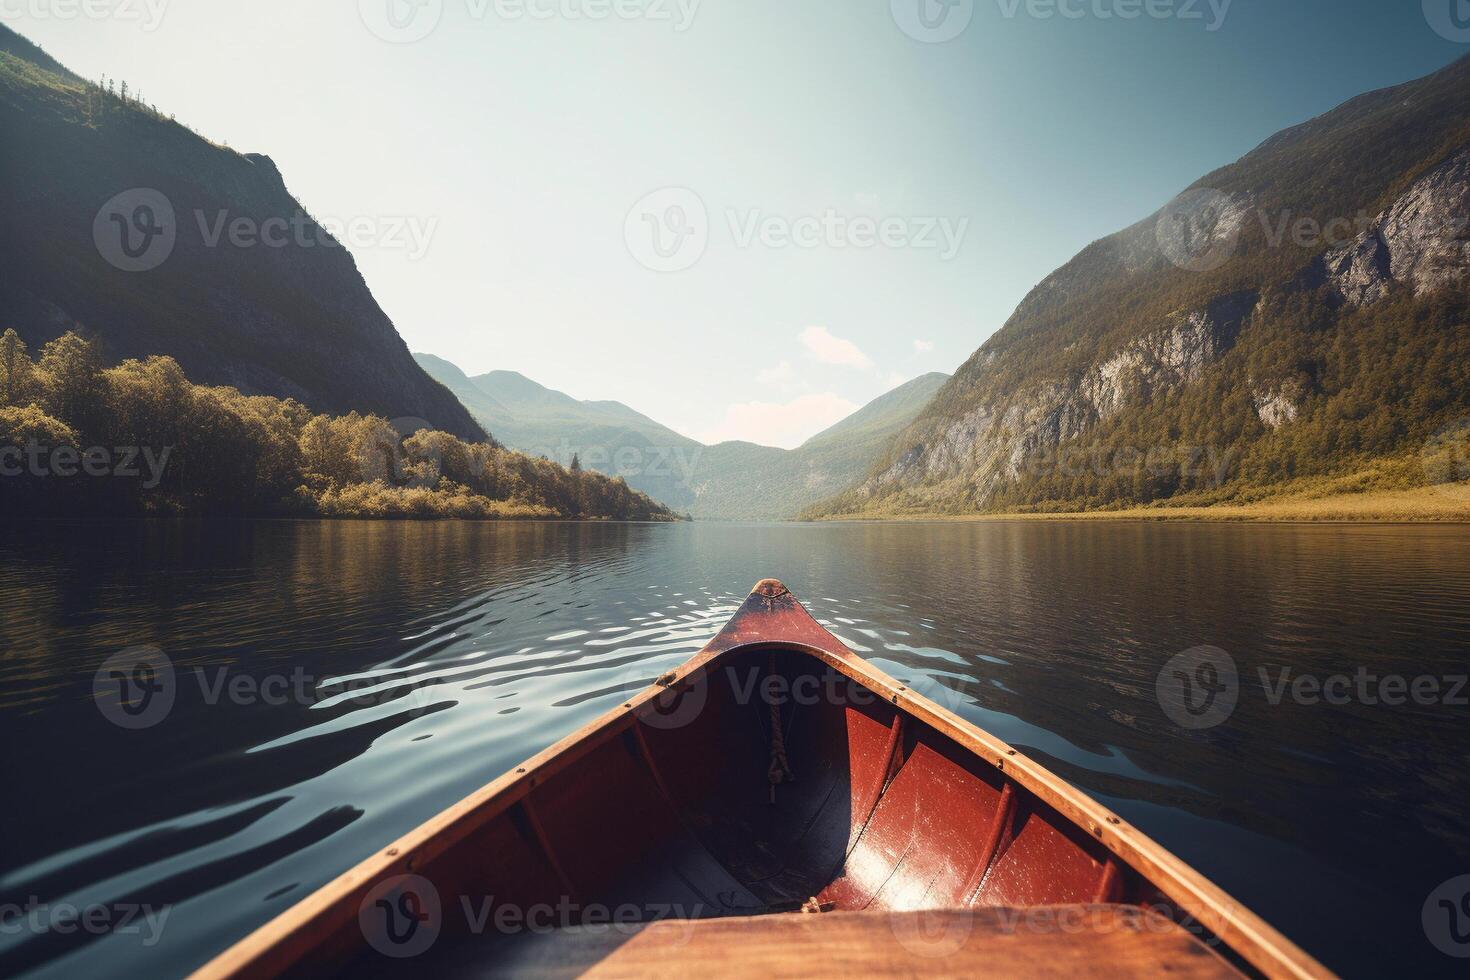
[(770, 619)]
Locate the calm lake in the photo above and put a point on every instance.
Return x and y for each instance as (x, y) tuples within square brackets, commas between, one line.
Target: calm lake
[(335, 684)]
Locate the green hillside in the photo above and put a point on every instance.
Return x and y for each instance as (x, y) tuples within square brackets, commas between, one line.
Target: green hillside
[(729, 481), (1228, 347), (92, 174), (740, 481)]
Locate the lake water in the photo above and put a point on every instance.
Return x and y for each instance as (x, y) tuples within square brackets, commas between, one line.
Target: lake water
[(335, 684)]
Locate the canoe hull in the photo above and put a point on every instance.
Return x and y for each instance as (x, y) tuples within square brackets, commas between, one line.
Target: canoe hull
[(774, 771)]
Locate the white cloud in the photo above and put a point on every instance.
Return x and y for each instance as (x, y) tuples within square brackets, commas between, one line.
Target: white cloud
[(923, 346), (781, 374), (822, 345), (785, 425)]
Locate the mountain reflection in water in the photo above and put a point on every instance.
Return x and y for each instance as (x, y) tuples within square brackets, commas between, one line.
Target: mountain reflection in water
[(391, 668)]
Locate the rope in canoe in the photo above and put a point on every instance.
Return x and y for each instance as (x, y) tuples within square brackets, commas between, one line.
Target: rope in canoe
[(780, 769)]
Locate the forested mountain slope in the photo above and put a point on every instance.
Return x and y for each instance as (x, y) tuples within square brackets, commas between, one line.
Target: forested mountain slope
[(118, 225), (1298, 315), (729, 481)]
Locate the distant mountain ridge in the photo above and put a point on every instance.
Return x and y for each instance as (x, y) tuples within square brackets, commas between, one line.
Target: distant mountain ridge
[(291, 321), (730, 481), (1224, 348)]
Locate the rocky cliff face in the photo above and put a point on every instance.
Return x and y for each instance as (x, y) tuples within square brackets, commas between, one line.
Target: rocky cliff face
[(1201, 323), (1004, 435), (1422, 240)]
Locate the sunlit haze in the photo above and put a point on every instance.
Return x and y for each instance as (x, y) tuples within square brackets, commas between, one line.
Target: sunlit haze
[(874, 205)]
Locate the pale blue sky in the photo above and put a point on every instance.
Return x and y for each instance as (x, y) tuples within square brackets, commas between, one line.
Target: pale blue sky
[(524, 143)]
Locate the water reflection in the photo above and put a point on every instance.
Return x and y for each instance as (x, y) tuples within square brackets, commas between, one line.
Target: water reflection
[(434, 656)]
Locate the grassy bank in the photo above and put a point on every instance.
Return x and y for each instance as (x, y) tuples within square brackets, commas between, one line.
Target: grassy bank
[(1421, 505)]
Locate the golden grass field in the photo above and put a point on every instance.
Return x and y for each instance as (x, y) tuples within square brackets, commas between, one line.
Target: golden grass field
[(1442, 504)]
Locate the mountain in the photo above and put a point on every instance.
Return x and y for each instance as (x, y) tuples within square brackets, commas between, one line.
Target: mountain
[(604, 436), (730, 481), (131, 229), (1295, 320), (740, 481)]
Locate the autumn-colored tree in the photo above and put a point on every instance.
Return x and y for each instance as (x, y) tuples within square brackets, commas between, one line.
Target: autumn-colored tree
[(17, 372), (217, 450), (72, 383), (23, 426)]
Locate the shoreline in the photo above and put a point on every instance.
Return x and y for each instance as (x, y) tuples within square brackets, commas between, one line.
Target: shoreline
[(1425, 505)]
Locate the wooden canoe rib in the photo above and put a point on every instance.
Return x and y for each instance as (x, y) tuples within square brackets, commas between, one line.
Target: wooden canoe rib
[(925, 844)]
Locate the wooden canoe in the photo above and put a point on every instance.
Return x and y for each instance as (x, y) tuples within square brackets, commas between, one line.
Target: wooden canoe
[(876, 833)]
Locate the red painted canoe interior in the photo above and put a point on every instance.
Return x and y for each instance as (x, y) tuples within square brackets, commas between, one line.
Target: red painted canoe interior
[(884, 813)]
